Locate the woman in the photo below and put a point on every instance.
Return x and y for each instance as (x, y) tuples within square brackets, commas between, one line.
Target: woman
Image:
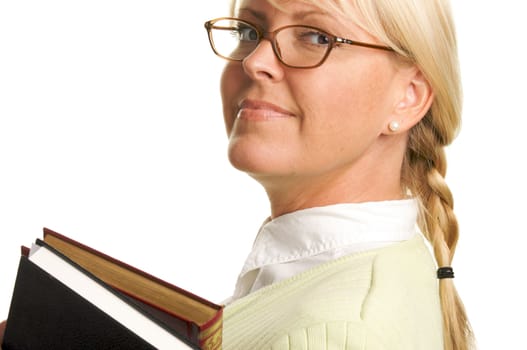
[(343, 119), (341, 110)]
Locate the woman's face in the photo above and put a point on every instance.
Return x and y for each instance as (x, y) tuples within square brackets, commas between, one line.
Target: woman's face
[(287, 123)]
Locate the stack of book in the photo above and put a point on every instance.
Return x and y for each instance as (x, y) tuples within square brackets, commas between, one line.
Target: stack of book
[(70, 296)]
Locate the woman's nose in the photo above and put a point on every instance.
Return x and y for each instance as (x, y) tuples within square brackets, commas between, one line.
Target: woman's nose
[(262, 63)]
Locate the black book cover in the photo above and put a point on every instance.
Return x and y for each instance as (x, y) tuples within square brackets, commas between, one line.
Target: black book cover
[(46, 314)]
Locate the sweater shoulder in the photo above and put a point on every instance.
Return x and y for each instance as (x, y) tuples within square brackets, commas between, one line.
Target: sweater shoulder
[(387, 291)]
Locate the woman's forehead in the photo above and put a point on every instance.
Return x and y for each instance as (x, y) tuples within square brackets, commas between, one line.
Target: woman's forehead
[(286, 4), (342, 9)]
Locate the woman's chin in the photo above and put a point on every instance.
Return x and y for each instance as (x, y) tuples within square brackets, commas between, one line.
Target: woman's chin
[(249, 164), (256, 162)]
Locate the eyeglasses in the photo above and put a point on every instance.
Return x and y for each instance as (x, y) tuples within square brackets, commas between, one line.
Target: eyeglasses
[(296, 46)]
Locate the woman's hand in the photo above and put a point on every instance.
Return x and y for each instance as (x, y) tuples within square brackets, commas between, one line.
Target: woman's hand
[(2, 330)]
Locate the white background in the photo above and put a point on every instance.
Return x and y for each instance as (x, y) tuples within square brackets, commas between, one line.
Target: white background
[(111, 132)]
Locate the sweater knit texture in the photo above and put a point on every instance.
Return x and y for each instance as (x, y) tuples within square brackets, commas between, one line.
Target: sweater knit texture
[(386, 298)]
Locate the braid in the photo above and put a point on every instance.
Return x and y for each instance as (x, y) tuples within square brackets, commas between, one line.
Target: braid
[(424, 170)]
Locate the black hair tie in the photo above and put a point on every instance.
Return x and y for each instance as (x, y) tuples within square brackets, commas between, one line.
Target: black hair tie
[(445, 272)]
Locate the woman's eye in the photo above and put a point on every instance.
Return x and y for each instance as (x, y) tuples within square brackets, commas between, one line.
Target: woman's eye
[(314, 38), (246, 33)]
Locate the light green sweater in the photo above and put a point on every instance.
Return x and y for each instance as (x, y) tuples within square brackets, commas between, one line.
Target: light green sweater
[(381, 299)]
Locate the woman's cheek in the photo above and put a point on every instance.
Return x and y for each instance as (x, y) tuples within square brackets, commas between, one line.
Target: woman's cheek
[(231, 85)]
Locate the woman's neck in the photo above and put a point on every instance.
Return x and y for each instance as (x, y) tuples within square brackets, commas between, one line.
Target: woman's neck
[(296, 193)]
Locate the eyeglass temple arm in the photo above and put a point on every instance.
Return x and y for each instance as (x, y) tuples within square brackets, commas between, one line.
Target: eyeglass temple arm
[(359, 43), (210, 26)]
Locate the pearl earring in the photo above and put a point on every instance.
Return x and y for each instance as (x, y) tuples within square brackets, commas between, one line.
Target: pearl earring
[(394, 126)]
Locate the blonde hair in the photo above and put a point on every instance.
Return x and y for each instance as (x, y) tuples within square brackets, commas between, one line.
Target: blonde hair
[(423, 32)]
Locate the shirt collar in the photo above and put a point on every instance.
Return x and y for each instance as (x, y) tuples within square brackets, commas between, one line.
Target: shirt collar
[(313, 231)]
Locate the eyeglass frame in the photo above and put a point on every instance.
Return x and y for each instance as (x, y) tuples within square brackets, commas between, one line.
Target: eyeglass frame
[(271, 37)]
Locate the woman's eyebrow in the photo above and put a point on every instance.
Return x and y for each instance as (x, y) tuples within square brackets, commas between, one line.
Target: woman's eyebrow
[(257, 14), (296, 16), (301, 15)]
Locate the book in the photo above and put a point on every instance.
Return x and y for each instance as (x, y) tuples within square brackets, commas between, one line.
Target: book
[(70, 296)]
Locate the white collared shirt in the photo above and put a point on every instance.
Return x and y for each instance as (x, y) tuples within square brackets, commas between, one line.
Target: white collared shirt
[(295, 242)]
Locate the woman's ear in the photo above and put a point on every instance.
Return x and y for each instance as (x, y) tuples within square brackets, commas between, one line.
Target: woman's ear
[(413, 104)]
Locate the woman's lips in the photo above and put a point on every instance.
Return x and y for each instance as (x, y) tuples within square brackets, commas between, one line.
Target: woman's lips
[(261, 110)]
